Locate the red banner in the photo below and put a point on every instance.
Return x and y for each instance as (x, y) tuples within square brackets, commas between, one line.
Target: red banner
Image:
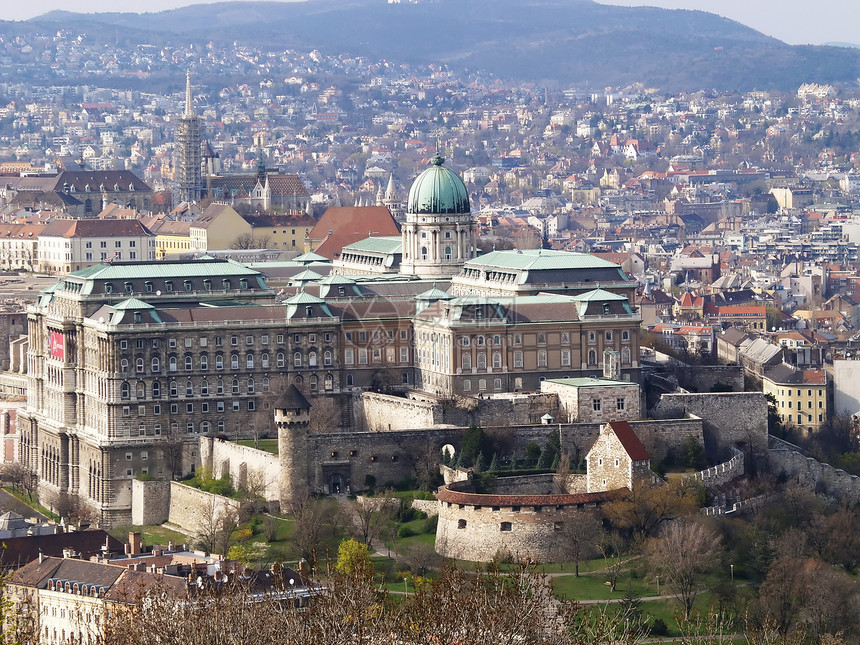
[(58, 345)]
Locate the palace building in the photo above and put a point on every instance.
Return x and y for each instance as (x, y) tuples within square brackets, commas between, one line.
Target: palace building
[(131, 363)]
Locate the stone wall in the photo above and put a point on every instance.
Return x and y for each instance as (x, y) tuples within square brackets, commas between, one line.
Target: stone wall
[(191, 508), (150, 502), (382, 412), (477, 527), (702, 378), (728, 418), (576, 404), (814, 474), (723, 473), (244, 465)]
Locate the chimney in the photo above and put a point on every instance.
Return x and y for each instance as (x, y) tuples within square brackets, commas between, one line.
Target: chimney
[(134, 543), (41, 556)]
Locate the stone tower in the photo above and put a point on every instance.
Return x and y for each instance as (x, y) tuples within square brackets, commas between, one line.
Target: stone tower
[(292, 417), (439, 233), (189, 143)]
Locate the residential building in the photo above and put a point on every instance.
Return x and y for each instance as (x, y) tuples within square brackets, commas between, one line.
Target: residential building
[(67, 245), (218, 227), (801, 395)]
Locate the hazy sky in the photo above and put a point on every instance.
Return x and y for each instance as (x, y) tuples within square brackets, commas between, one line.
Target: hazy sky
[(794, 21)]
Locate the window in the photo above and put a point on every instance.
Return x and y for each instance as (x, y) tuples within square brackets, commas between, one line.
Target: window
[(466, 341), (505, 527), (234, 341), (592, 357), (264, 360), (592, 337), (497, 384), (156, 364), (204, 362), (297, 359), (189, 388), (541, 358), (482, 361), (327, 358), (249, 361), (125, 391), (348, 357), (250, 386), (625, 355), (281, 360), (174, 388), (625, 335), (565, 358), (595, 405), (312, 359), (171, 364), (541, 339), (482, 384), (461, 524), (349, 379), (189, 408), (234, 361), (249, 340), (518, 359), (467, 361), (219, 362), (189, 363), (156, 389), (235, 386), (619, 403), (467, 385), (362, 356), (608, 337), (123, 365)]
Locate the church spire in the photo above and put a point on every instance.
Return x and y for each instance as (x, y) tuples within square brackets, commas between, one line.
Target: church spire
[(189, 103)]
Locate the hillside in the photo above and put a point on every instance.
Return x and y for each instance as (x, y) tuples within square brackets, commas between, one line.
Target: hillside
[(571, 41)]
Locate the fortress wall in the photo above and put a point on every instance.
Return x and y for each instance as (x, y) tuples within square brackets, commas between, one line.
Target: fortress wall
[(242, 464)]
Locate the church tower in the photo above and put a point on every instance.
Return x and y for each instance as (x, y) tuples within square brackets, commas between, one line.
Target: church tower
[(439, 234), (189, 142)]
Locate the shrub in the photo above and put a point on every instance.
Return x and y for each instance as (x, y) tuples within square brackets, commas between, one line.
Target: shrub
[(405, 532), (430, 524), (659, 627)]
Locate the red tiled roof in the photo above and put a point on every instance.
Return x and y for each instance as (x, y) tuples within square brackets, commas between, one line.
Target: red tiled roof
[(445, 494), (632, 445), (349, 224)]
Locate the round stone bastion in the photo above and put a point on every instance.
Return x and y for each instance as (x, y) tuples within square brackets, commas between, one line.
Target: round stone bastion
[(478, 526)]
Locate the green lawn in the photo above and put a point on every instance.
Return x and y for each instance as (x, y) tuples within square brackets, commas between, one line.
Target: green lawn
[(594, 587), (267, 445), (151, 534), (21, 497)]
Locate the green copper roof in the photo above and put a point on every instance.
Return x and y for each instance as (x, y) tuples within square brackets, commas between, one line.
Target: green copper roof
[(597, 295), (538, 259), (156, 270), (303, 298), (384, 244), (335, 278), (306, 276), (310, 257), (131, 303), (434, 294), (438, 190)]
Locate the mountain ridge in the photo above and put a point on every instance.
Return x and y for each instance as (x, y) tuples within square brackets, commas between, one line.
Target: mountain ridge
[(572, 42)]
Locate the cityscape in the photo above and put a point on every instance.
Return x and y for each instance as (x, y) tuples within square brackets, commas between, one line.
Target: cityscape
[(318, 344)]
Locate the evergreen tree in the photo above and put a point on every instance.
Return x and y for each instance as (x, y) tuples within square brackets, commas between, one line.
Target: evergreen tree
[(494, 463), (480, 464)]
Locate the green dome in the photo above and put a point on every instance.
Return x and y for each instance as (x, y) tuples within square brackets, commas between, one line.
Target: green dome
[(438, 190)]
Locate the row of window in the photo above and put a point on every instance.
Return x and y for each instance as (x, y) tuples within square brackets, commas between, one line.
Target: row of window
[(220, 406), (249, 362), (187, 285), (800, 404), (172, 388), (597, 406), (349, 355), (375, 335)]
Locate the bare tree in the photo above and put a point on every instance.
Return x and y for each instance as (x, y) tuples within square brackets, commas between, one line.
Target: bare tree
[(325, 415), (20, 477), (616, 555), (247, 242), (580, 538), (318, 525), (681, 553), (215, 527), (369, 517), (73, 508)]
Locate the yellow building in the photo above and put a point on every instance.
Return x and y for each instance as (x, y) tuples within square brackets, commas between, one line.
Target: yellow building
[(281, 231), (172, 238), (801, 395), (219, 227)]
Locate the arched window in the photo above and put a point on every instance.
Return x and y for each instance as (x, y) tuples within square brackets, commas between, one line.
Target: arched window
[(204, 362), (156, 364), (189, 363), (139, 366), (625, 335), (264, 360), (448, 253), (297, 359), (219, 362), (171, 364), (349, 380), (235, 389), (482, 384), (329, 383), (592, 337), (466, 341), (281, 359), (234, 361), (249, 361), (423, 252), (404, 378), (479, 341), (174, 388), (125, 391), (265, 384), (312, 359), (467, 385), (250, 386), (204, 427), (189, 388), (592, 357), (625, 355), (518, 383), (123, 365), (609, 336), (467, 361), (204, 387), (482, 361), (141, 390), (156, 389), (497, 361), (312, 383), (327, 358), (497, 340)]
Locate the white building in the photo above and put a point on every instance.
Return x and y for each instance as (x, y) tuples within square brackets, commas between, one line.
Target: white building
[(67, 245)]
